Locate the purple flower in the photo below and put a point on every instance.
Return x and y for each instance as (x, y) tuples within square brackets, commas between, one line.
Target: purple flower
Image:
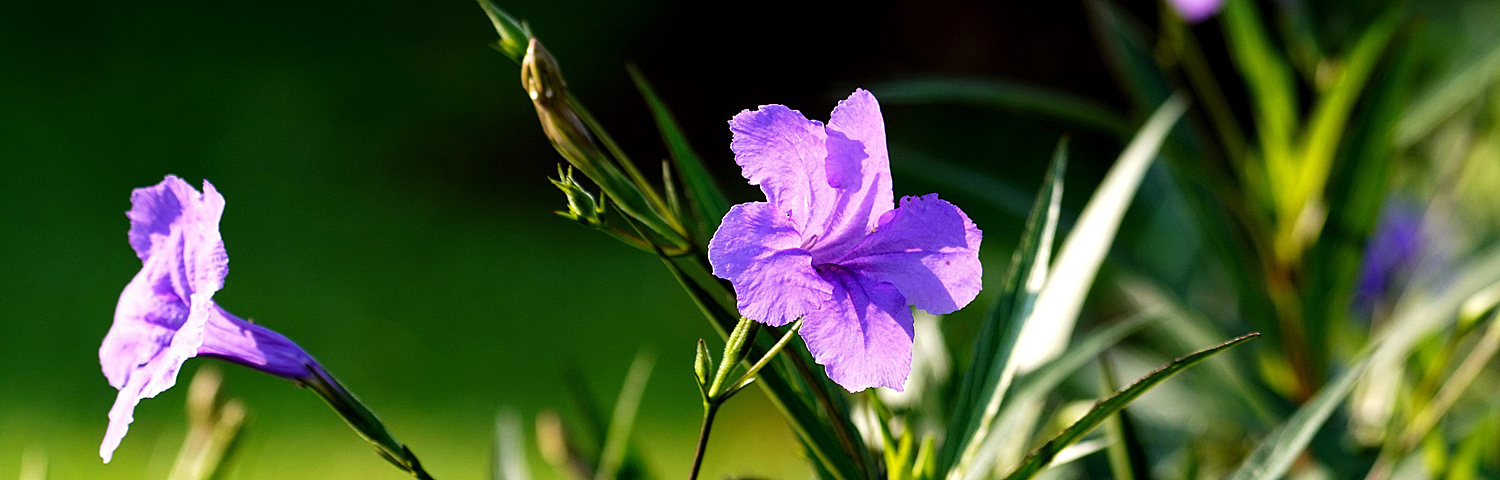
[(167, 314), (1392, 253), (1195, 11), (830, 246)]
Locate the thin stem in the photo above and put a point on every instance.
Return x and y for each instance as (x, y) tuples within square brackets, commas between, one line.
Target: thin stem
[(714, 397), (765, 359), (363, 421), (708, 424)]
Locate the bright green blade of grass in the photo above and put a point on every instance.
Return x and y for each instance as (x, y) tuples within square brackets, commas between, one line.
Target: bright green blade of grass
[(1273, 90), (1330, 117), (989, 374), (1042, 456)]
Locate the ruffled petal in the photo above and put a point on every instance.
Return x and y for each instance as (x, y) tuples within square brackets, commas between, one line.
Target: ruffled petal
[(147, 316), (783, 152), (863, 337), (759, 252), (928, 249), (155, 210), (859, 169)]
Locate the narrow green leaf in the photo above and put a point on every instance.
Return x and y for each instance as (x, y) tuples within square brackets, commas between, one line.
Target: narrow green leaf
[(708, 202), (1083, 251), (1275, 453), (1038, 384), (1272, 85), (1187, 327), (989, 374), (1330, 117), (1015, 422), (1007, 96), (1127, 455), (617, 440), (1042, 456)]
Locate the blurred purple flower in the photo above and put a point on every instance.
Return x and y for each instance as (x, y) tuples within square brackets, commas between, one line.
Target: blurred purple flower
[(1195, 11), (167, 315), (829, 244), (1392, 253)]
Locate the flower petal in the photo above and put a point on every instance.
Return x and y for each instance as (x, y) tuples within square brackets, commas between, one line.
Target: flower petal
[(759, 252), (863, 337), (928, 249), (155, 210), (783, 152), (860, 168)]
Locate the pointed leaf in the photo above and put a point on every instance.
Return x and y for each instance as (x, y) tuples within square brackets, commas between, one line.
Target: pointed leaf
[(1127, 455), (1042, 456), (1084, 249)]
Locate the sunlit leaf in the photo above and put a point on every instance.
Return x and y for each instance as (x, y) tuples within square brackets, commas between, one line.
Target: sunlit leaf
[(1042, 456), (991, 370), (1083, 251)]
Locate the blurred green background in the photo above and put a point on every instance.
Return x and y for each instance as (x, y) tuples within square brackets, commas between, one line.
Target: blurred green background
[(388, 207)]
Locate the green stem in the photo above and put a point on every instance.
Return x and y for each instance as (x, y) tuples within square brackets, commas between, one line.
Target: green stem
[(708, 424), (734, 349), (363, 421), (749, 375)]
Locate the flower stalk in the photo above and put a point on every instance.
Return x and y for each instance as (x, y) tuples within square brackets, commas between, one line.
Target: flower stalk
[(714, 391), (363, 421)]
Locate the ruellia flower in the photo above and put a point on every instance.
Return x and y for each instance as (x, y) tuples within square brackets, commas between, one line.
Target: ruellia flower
[(167, 313), (830, 246)]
